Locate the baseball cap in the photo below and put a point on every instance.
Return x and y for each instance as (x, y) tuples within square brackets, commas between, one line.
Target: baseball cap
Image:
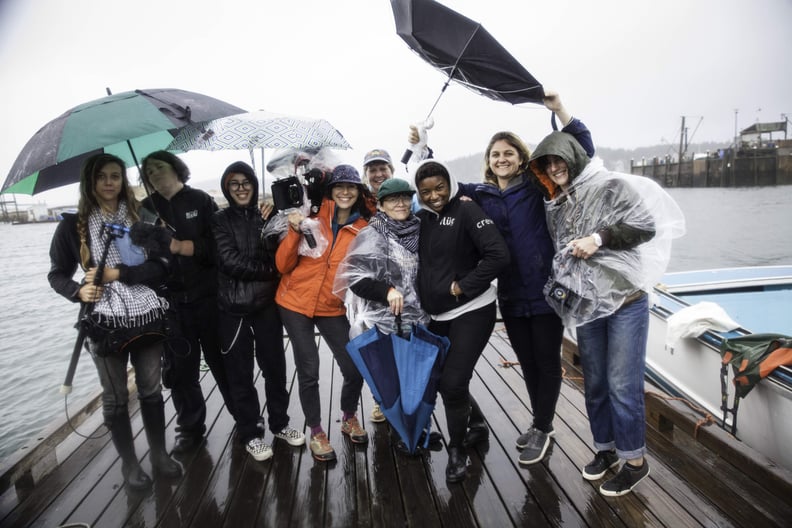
[(377, 155)]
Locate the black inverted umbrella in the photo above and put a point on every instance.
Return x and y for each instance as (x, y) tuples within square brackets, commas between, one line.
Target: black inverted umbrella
[(462, 49), (126, 124)]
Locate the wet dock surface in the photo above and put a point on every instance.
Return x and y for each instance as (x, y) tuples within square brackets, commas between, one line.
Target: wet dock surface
[(373, 485)]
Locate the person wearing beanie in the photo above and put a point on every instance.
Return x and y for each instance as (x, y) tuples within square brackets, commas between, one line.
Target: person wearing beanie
[(306, 301), (192, 292), (249, 322)]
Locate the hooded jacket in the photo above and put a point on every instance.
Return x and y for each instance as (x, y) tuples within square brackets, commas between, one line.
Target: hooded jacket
[(247, 278), (627, 211), (307, 283), (458, 244), (189, 212)]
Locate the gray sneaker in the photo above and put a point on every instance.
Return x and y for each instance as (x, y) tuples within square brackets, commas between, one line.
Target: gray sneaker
[(535, 446), (523, 439)]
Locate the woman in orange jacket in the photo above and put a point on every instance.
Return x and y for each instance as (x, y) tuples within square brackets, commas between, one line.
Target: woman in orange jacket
[(305, 299)]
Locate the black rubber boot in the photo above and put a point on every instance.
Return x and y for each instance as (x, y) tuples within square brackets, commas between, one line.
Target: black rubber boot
[(457, 419), (121, 433), (153, 414), (456, 470)]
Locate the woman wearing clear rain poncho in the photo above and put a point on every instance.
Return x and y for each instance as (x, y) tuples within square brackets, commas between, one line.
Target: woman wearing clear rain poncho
[(612, 233), (377, 278)]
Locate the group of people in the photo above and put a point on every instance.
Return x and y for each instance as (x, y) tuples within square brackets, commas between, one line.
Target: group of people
[(397, 254)]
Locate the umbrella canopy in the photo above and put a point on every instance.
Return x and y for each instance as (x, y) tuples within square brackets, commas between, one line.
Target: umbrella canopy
[(462, 49), (403, 376), (254, 130), (126, 124)]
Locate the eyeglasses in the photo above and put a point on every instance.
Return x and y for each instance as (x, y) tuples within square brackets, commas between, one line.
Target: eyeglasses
[(234, 185), (396, 198)]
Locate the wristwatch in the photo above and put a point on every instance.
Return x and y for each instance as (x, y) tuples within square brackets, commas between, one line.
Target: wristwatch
[(597, 239)]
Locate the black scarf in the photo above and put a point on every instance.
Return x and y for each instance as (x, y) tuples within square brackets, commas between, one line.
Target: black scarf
[(404, 232)]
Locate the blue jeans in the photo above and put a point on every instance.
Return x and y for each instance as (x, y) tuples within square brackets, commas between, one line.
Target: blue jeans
[(613, 355)]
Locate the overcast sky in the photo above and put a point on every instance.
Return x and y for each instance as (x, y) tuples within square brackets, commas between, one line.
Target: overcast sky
[(629, 68)]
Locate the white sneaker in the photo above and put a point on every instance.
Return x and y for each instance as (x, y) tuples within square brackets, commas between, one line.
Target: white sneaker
[(258, 449), (293, 437)]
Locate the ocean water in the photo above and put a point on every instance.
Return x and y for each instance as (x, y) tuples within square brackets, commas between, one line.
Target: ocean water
[(725, 227)]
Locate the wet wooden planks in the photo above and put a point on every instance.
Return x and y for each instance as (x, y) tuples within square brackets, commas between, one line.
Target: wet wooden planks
[(372, 485)]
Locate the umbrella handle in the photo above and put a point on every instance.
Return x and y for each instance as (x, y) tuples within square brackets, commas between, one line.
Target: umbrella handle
[(422, 138)]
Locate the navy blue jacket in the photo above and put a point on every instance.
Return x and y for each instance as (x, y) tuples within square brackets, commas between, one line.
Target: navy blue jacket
[(519, 214)]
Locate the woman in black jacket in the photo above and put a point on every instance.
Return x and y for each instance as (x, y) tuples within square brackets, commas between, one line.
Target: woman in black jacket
[(460, 253), (248, 318), (123, 303)]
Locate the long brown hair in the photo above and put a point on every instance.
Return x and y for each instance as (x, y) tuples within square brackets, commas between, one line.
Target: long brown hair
[(88, 200), (517, 144)]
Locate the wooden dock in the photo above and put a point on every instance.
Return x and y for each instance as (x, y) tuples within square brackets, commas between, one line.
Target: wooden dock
[(707, 481)]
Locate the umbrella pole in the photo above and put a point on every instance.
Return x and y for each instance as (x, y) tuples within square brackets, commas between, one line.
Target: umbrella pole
[(134, 157)]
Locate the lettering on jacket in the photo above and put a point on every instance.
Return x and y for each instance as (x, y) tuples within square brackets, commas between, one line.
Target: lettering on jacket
[(447, 221), (191, 214), (484, 222)]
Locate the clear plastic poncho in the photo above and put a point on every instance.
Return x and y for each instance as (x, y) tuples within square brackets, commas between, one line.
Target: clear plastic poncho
[(373, 256), (581, 290)]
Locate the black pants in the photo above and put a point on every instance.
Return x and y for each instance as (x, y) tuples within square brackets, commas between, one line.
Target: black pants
[(468, 334), (536, 341), (259, 335), (197, 332)]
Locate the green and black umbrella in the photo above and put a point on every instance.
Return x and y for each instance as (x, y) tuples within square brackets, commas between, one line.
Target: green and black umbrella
[(127, 124)]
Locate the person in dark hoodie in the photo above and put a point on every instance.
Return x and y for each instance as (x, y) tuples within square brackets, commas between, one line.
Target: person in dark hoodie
[(612, 237), (192, 291), (248, 320), (460, 253)]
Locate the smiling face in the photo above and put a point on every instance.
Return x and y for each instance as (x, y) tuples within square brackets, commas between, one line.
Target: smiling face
[(557, 170), (239, 188), (376, 173), (108, 181), (344, 195), (435, 192), (504, 160)]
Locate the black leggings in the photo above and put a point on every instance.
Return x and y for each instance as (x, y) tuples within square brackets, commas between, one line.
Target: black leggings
[(536, 341), (468, 334)]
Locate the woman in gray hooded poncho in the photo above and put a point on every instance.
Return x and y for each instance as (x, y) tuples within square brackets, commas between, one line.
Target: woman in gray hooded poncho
[(612, 236)]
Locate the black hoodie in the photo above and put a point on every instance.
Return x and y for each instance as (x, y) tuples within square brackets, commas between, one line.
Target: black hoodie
[(247, 277)]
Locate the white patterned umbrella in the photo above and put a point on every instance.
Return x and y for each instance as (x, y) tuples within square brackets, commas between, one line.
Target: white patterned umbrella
[(254, 130)]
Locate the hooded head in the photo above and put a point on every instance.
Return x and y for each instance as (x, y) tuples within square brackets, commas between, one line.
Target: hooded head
[(566, 147), (240, 167), (436, 185)]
